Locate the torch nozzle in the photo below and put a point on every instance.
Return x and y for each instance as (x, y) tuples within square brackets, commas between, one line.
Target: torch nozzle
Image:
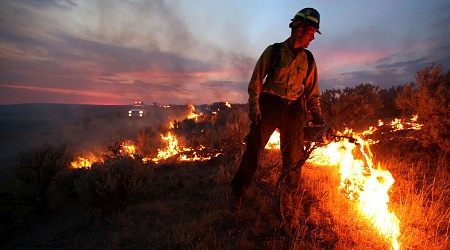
[(349, 138), (324, 134)]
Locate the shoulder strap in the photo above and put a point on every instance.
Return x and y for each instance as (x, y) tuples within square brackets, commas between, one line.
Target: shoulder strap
[(275, 54), (310, 58)]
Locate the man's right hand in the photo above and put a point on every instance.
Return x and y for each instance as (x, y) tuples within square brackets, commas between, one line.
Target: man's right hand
[(254, 114)]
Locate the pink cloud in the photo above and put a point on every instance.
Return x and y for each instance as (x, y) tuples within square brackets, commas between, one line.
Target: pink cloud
[(167, 76), (66, 91), (335, 61), (193, 74)]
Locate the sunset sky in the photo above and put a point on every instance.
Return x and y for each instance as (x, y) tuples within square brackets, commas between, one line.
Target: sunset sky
[(203, 51)]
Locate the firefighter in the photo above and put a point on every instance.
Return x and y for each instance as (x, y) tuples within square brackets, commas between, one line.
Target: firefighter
[(282, 89)]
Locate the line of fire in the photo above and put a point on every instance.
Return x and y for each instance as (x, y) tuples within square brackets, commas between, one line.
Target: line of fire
[(362, 180)]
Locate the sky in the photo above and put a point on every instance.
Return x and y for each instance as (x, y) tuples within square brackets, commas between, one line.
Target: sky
[(203, 51)]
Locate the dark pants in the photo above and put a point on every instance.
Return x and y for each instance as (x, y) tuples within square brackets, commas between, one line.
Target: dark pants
[(288, 118)]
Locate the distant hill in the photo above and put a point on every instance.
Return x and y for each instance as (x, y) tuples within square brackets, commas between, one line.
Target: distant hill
[(23, 126)]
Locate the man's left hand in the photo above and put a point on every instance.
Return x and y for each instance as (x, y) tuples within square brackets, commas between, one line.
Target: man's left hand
[(317, 119)]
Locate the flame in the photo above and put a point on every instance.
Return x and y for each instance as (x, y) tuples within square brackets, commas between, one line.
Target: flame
[(360, 180), (274, 141), (193, 115), (174, 149), (171, 150), (363, 183), (128, 149), (82, 162), (228, 104), (398, 124)]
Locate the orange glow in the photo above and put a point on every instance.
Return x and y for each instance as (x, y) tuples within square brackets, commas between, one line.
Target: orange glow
[(81, 162), (274, 141), (66, 91), (193, 115), (128, 149), (360, 180), (157, 74), (398, 124), (171, 150)]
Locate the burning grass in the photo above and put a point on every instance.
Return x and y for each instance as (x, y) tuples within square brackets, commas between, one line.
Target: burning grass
[(128, 202)]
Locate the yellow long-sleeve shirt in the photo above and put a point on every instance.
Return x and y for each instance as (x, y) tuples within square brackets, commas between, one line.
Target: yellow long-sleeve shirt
[(286, 79)]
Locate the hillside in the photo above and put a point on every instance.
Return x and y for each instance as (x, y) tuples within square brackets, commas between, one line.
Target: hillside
[(125, 202)]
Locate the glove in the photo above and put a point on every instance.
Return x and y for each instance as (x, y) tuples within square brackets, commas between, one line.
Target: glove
[(317, 118), (254, 114)]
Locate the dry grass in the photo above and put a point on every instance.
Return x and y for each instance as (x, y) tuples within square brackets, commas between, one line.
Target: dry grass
[(183, 206), (421, 200)]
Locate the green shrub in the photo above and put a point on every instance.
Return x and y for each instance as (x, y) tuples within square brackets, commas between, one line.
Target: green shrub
[(114, 184), (429, 98)]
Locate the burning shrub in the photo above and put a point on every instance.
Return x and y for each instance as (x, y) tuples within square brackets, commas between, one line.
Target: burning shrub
[(37, 169), (114, 183), (223, 129), (429, 98)]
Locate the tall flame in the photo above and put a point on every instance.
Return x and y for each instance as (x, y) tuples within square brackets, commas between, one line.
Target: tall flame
[(171, 150), (360, 180)]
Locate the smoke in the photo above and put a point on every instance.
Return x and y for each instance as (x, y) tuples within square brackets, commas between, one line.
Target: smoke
[(148, 50), (172, 39)]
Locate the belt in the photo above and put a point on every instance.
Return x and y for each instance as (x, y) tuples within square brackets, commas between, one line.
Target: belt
[(280, 99), (288, 102)]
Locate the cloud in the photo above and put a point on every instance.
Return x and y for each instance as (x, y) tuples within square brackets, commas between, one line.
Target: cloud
[(87, 62), (177, 52)]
